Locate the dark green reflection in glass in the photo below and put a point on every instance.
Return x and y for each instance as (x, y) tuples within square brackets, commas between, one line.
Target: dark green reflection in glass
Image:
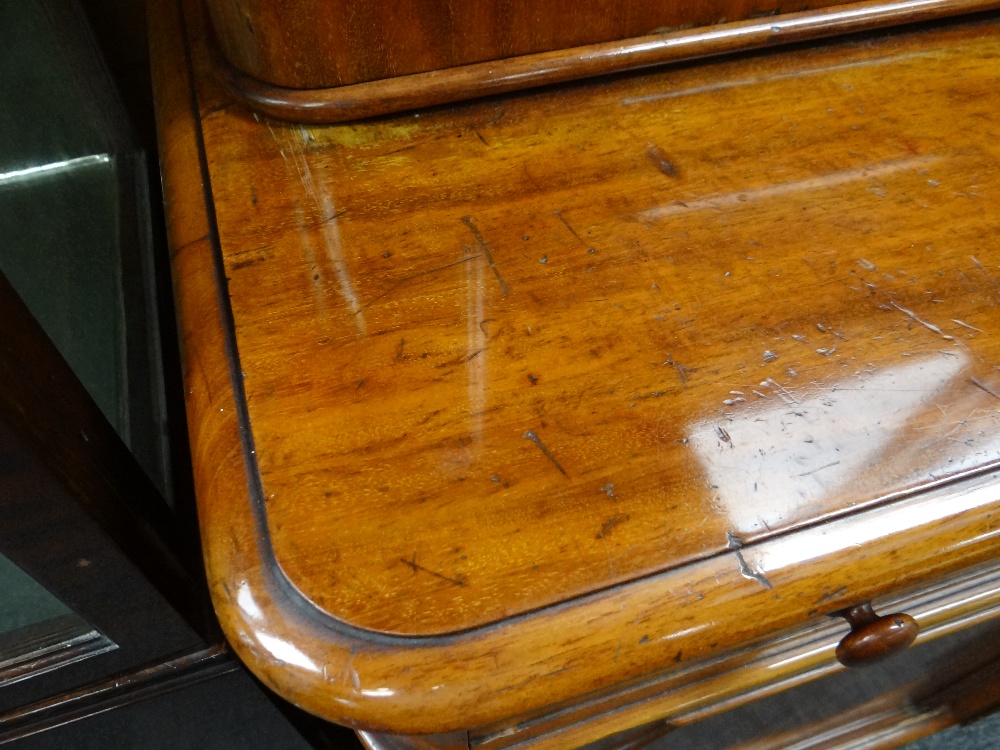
[(74, 229)]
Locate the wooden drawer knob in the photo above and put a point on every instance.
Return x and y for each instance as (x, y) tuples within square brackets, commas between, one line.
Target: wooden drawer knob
[(872, 637)]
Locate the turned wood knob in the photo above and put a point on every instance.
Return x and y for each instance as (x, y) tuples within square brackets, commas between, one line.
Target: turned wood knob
[(872, 637)]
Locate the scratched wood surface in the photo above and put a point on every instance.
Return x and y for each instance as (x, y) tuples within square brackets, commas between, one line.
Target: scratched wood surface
[(504, 355), (305, 44), (720, 628)]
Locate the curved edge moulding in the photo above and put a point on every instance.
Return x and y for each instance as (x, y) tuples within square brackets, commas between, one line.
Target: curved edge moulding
[(401, 93)]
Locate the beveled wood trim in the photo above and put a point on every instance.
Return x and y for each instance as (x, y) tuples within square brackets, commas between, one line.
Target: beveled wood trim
[(664, 623), (39, 648), (689, 695), (374, 98), (175, 672)]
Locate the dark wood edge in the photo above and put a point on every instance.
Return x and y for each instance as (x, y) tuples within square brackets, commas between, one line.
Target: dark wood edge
[(374, 98), (43, 646), (182, 670)]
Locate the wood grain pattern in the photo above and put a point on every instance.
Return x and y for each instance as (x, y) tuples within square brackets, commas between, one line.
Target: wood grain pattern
[(537, 326), (416, 310), (302, 44), (720, 684), (469, 81)]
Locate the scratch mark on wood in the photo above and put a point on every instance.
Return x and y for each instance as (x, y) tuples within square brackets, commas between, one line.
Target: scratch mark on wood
[(682, 372), (783, 393), (774, 190), (461, 359), (400, 149), (609, 490), (485, 250), (832, 595), (415, 566), (988, 275), (174, 252), (529, 435), (735, 544), (399, 349), (660, 160), (924, 323), (332, 217), (724, 436), (966, 325), (239, 265), (558, 215), (818, 468), (610, 524), (979, 384), (406, 279), (480, 137)]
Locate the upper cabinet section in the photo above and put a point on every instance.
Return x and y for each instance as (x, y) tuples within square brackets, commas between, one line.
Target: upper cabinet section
[(337, 60), (309, 44)]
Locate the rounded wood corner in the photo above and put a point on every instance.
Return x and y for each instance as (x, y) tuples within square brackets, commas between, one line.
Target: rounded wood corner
[(639, 631)]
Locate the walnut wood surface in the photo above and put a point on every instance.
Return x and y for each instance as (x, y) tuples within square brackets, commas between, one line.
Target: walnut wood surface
[(503, 356), (457, 412), (715, 686), (469, 81), (307, 44)]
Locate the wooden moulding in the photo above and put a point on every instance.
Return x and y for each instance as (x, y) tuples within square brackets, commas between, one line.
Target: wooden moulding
[(184, 669), (302, 44), (381, 97), (717, 685)]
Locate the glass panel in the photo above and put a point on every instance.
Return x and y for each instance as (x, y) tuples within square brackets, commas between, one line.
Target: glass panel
[(74, 227), (38, 632)]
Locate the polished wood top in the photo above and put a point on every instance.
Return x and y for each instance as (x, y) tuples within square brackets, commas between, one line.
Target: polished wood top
[(645, 349), (505, 355)]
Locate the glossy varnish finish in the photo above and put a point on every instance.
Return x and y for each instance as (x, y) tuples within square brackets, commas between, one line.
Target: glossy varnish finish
[(540, 350), (873, 638), (581, 337)]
